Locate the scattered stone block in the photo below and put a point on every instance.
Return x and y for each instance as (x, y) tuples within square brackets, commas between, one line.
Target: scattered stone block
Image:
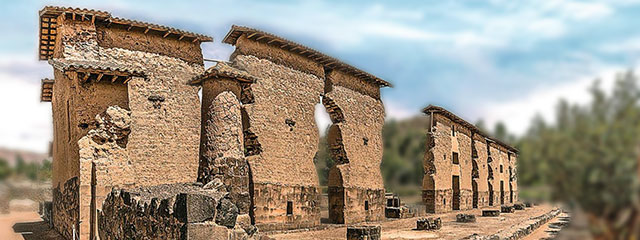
[(490, 213), (227, 213), (428, 224), (528, 204), (465, 218), (363, 233), (193, 207), (519, 206), (507, 209), (392, 212)]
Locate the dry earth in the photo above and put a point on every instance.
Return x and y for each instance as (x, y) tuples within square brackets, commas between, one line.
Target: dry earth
[(403, 228)]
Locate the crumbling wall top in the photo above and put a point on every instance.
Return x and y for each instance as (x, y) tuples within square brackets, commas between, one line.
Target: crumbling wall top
[(436, 109), (224, 70), (49, 24), (325, 60)]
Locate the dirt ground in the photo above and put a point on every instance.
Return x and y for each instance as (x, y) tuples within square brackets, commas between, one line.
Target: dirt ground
[(25, 225), (403, 228)]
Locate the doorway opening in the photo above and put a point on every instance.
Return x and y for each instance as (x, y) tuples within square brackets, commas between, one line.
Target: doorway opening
[(474, 186), (501, 192), (455, 183)]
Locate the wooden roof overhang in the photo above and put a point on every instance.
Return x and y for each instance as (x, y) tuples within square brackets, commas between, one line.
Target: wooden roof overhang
[(90, 71), (49, 24), (327, 61), (223, 69), (436, 109), (46, 90)]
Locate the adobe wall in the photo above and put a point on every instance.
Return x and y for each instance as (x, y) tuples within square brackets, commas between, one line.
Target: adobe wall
[(483, 188), (165, 114), (360, 128), (498, 159), (281, 120), (117, 36), (437, 190)]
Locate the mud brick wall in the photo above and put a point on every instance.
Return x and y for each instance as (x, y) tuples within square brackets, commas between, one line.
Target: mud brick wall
[(439, 167), (281, 120), (66, 208), (164, 140), (497, 160), (514, 179), (358, 116), (169, 134), (482, 182), (104, 163), (465, 167)]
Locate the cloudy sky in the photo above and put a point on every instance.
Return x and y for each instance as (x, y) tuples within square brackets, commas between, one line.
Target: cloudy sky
[(493, 60)]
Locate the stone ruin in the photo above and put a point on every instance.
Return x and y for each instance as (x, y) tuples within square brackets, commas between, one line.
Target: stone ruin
[(137, 155), (465, 168), (428, 224)]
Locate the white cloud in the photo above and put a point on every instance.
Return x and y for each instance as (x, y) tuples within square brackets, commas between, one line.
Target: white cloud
[(398, 111), (518, 113)]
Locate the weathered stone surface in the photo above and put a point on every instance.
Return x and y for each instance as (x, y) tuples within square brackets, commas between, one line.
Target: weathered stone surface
[(206, 231), (392, 212), (227, 212), (490, 213), (465, 218), (157, 212), (507, 209), (519, 206), (193, 207), (363, 233), (428, 224)]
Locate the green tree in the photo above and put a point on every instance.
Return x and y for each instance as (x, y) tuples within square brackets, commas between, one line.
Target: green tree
[(589, 157), (5, 169)]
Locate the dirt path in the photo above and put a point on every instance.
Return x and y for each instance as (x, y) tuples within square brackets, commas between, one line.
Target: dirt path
[(25, 225), (402, 229)]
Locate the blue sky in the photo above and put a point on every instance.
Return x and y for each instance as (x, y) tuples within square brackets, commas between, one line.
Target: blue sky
[(496, 60)]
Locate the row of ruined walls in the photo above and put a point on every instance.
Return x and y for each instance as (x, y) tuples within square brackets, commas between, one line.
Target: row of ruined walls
[(162, 141), (273, 118), (477, 170)]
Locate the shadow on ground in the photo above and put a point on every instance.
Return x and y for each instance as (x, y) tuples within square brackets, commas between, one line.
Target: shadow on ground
[(36, 231)]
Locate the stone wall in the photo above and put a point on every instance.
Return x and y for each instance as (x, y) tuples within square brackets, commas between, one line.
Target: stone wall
[(173, 211), (164, 140), (66, 208)]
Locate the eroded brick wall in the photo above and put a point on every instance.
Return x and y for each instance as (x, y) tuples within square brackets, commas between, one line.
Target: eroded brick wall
[(281, 119), (165, 112), (440, 169), (358, 116), (481, 180)]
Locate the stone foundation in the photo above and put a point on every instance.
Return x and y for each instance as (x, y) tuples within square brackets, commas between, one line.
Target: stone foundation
[(66, 208), (271, 200), (172, 211)]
